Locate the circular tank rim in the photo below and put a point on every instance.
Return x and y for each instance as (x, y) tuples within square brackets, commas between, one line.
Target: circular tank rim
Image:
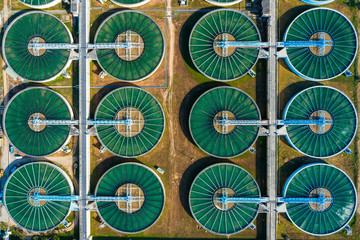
[(27, 89), (67, 64), (321, 86), (158, 178), (49, 164), (131, 5), (214, 165), (315, 164), (162, 110), (324, 79), (42, 6), (162, 36), (223, 4), (192, 108), (317, 2), (217, 10)]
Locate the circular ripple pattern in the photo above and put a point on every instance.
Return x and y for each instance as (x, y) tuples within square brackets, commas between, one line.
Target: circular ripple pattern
[(311, 66), (17, 37), (152, 54), (337, 215), (202, 128), (52, 180), (153, 204), (201, 45), (344, 121), (152, 129), (23, 105), (207, 214)]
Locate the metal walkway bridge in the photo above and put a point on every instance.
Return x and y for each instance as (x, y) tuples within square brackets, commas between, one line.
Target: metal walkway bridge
[(36, 122), (321, 43), (129, 44), (128, 198)]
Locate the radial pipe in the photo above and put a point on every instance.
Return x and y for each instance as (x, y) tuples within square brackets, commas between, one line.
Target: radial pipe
[(127, 122), (227, 122), (242, 44), (225, 200), (38, 122)]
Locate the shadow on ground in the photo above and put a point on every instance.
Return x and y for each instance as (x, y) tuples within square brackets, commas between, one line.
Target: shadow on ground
[(189, 101), (189, 175), (96, 24), (103, 91), (286, 18), (291, 166), (104, 166), (288, 93), (186, 31)]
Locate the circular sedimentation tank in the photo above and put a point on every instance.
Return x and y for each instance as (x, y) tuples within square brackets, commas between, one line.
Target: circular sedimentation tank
[(145, 113), (216, 104), (336, 59), (223, 64), (336, 107), (144, 182), (45, 179), (45, 103), (214, 181), (32, 27), (335, 184), (130, 3), (223, 2), (132, 64)]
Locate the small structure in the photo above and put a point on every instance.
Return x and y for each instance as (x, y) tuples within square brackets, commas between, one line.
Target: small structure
[(74, 7), (183, 3)]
